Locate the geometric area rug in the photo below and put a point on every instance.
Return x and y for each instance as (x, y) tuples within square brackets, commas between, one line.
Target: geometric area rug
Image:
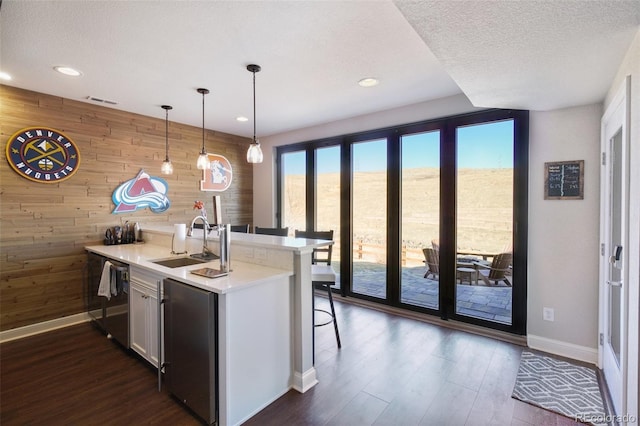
[(561, 387)]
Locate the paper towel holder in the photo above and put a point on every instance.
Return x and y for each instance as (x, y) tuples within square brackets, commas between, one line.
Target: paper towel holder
[(173, 237), (172, 250)]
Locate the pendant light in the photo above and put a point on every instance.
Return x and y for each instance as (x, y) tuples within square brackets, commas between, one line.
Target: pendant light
[(167, 167), (203, 158), (254, 154)]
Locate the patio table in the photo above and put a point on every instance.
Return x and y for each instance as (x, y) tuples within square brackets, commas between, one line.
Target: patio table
[(471, 275)]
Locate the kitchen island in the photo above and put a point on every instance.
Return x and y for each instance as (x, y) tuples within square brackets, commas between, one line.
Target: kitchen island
[(264, 312)]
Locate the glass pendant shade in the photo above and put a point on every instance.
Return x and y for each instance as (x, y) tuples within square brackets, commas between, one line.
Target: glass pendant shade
[(203, 161), (254, 154), (203, 158), (167, 167)]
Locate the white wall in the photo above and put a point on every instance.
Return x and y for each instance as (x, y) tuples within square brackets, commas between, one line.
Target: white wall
[(631, 66), (564, 235)]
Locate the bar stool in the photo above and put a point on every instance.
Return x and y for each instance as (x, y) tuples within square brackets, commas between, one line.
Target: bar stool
[(322, 275), (240, 228), (278, 232)]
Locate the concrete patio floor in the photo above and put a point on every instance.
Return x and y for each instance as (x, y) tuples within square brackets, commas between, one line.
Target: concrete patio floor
[(491, 302)]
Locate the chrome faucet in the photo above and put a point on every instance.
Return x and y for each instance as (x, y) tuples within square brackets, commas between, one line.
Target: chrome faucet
[(224, 232), (206, 253)]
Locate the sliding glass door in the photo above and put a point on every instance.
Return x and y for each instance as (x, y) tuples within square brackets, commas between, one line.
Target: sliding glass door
[(369, 218), (293, 184), (420, 219), (430, 217), (326, 206), (484, 221)]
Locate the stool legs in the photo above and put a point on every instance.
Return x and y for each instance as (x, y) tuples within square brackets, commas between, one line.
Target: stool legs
[(333, 313)]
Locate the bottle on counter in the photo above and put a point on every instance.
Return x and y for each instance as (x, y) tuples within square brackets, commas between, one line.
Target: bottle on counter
[(137, 233)]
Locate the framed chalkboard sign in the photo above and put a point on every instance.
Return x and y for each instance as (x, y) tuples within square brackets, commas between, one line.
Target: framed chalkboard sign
[(564, 180)]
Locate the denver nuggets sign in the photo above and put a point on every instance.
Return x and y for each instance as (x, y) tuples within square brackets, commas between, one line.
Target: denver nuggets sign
[(42, 155)]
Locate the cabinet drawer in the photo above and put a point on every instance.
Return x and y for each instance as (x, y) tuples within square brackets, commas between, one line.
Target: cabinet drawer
[(145, 276)]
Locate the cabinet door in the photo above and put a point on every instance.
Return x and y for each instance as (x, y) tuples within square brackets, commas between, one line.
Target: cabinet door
[(152, 309), (139, 319)]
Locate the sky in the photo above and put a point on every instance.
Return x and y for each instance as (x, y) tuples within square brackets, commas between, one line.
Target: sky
[(484, 146)]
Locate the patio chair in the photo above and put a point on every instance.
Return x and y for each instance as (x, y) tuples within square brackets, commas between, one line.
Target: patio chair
[(498, 269), (432, 260)]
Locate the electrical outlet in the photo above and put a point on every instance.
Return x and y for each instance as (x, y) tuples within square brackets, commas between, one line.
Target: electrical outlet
[(547, 314)]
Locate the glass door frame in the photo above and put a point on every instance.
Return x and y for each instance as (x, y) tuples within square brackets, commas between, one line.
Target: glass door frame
[(448, 217), (447, 127), (346, 214)]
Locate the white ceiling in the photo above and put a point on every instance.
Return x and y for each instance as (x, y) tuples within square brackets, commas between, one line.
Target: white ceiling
[(536, 55), (142, 54)]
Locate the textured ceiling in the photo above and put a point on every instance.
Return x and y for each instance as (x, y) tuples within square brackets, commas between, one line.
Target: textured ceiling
[(536, 55), (142, 54)]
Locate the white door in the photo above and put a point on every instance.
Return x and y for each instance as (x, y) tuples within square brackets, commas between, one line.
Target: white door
[(614, 248)]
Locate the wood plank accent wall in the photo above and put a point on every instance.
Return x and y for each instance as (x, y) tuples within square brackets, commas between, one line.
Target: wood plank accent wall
[(44, 227)]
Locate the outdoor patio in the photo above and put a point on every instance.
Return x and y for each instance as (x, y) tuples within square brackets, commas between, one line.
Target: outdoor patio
[(491, 302)]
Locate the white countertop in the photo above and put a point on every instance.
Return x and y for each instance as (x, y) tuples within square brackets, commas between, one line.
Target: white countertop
[(243, 275)]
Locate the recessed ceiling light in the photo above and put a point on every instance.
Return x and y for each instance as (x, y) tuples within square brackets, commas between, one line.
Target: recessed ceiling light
[(5, 76), (68, 71), (242, 119), (369, 82)]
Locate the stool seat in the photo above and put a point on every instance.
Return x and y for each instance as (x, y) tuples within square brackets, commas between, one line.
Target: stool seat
[(323, 273)]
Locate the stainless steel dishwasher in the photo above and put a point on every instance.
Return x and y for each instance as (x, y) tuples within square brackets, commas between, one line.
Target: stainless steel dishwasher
[(191, 347)]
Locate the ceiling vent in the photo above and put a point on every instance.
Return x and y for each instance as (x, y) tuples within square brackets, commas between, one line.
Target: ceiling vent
[(103, 101)]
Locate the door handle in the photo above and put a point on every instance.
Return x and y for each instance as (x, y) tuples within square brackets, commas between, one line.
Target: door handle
[(615, 283), (617, 254)]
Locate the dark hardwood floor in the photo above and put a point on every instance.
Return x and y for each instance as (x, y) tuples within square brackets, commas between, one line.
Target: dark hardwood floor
[(390, 371), (76, 376)]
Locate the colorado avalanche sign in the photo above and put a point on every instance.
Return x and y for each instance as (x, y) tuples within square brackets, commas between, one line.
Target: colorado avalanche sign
[(42, 155), (140, 192)]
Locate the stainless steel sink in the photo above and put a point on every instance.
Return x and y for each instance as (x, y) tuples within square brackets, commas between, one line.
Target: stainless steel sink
[(177, 262)]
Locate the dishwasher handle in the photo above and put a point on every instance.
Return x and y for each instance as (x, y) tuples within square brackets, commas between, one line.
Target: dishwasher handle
[(160, 330)]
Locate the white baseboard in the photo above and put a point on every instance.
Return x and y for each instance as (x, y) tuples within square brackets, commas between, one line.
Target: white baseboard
[(568, 350), (305, 381), (43, 327)]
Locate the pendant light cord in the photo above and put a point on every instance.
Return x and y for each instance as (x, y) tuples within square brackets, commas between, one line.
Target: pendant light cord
[(203, 93), (254, 107), (166, 132)]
